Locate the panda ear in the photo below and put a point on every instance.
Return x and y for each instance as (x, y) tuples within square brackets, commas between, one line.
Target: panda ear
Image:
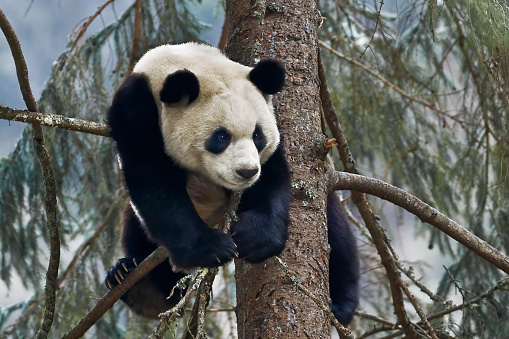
[(268, 75), (178, 86)]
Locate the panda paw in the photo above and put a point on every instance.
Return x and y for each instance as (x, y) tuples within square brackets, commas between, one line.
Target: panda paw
[(209, 249), (120, 270), (258, 236)]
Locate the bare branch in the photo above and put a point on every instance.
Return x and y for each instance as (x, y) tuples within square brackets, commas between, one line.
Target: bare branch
[(419, 311), (378, 21), (54, 120), (107, 301), (87, 23), (428, 214), (50, 195), (409, 273)]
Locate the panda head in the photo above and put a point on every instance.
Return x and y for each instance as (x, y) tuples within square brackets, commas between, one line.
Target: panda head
[(216, 115)]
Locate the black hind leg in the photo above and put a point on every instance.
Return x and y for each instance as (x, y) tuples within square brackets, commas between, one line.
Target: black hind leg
[(344, 263), (148, 296)]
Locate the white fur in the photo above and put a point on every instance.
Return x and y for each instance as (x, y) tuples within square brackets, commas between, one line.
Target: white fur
[(227, 99)]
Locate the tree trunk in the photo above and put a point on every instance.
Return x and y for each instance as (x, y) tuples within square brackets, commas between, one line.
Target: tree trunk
[(268, 304)]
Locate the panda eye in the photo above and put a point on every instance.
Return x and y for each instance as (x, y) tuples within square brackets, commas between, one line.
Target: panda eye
[(218, 141), (259, 138), (222, 136)]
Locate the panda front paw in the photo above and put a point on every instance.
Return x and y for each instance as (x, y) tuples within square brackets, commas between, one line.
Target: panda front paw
[(258, 236), (120, 270), (211, 248)]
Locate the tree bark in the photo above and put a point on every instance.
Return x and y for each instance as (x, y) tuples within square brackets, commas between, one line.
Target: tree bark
[(268, 303)]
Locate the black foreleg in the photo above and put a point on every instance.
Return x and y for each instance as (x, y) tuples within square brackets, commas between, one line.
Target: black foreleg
[(262, 228)]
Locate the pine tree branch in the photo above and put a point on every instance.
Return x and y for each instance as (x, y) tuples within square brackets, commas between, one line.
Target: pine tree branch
[(48, 173), (428, 214), (501, 284), (77, 255), (54, 120), (429, 104), (107, 301)]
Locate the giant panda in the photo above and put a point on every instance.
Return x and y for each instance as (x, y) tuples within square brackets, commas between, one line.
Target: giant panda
[(190, 127)]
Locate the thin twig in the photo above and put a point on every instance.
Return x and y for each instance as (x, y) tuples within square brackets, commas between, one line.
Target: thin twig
[(169, 316), (50, 195), (410, 275), (429, 104), (54, 120), (419, 311), (488, 293), (378, 21), (85, 25), (364, 315)]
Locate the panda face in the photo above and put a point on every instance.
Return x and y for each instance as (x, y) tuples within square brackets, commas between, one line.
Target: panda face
[(226, 148), (225, 136), (216, 115)]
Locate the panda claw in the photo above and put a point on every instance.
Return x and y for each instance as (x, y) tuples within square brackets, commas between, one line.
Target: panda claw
[(110, 286), (117, 279), (125, 267), (236, 254), (134, 261), (219, 261), (120, 275)]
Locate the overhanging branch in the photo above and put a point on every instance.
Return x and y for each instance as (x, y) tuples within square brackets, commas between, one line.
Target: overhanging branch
[(348, 181)]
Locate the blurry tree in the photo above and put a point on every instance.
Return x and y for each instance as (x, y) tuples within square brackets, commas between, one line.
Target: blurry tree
[(421, 90)]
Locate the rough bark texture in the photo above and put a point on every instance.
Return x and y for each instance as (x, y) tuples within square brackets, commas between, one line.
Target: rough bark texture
[(269, 305)]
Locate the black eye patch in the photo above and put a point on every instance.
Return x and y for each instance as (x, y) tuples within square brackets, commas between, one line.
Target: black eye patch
[(218, 141), (259, 138)]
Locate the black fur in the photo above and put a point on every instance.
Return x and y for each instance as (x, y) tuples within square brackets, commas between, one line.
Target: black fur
[(218, 141), (156, 186), (261, 230), (344, 263), (178, 85), (259, 138), (268, 75)]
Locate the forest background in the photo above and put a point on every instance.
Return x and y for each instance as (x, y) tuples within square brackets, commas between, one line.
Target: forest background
[(422, 101)]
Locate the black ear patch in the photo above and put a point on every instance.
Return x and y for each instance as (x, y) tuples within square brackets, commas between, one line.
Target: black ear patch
[(178, 85), (268, 75)]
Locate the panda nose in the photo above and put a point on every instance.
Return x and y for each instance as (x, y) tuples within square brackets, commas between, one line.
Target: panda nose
[(247, 173)]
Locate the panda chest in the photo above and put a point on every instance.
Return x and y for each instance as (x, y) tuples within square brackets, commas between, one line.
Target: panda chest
[(209, 200)]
